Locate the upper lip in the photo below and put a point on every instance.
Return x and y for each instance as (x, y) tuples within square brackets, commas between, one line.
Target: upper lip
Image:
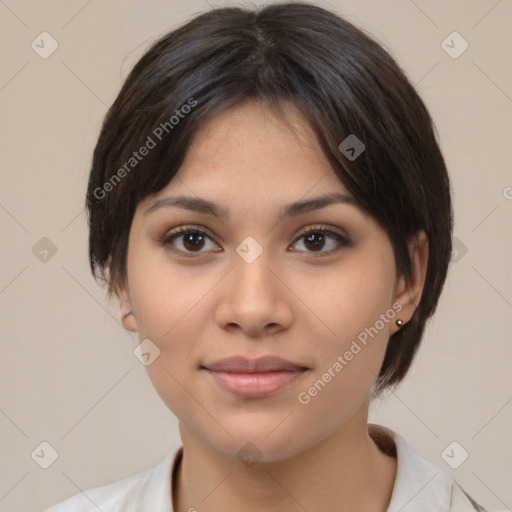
[(246, 365)]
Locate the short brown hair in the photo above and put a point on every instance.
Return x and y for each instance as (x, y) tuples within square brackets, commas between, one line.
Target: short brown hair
[(342, 81)]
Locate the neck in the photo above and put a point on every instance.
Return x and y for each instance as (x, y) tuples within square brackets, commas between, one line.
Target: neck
[(333, 475)]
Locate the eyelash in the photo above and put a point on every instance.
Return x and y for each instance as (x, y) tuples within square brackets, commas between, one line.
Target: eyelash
[(169, 238)]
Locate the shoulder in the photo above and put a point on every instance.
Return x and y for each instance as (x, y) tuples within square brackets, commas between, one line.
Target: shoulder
[(112, 497), (149, 488), (462, 501), (420, 485)]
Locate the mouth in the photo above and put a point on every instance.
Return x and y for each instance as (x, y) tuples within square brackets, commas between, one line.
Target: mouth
[(254, 378)]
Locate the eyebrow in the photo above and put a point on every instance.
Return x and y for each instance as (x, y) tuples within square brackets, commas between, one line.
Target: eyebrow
[(204, 206)]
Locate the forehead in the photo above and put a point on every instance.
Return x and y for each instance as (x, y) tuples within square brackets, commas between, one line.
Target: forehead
[(250, 150)]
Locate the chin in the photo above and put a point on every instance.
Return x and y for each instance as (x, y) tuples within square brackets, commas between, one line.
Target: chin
[(250, 448), (263, 439)]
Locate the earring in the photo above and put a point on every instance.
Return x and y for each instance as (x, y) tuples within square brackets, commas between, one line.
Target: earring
[(400, 323), (128, 313)]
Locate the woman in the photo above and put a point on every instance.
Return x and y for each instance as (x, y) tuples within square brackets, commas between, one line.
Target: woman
[(269, 204)]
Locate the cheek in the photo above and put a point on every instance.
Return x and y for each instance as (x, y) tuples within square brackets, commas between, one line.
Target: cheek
[(169, 304), (348, 360), (175, 326), (167, 295), (348, 299), (355, 308)]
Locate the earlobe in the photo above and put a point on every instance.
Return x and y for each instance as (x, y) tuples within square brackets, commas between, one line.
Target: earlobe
[(129, 322), (127, 315), (419, 261), (409, 290)]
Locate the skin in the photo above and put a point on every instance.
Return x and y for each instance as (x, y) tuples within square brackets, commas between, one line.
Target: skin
[(286, 303)]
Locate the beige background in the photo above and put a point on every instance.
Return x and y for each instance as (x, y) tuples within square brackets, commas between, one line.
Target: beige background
[(68, 374)]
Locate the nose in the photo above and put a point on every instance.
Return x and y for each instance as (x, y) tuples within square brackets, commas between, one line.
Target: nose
[(254, 298)]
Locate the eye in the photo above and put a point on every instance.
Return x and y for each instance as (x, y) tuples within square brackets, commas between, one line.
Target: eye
[(191, 240), (316, 237)]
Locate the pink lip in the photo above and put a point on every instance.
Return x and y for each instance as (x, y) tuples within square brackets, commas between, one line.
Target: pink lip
[(245, 364), (254, 378), (256, 384)]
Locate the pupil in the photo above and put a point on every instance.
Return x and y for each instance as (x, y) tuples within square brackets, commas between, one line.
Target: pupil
[(189, 240), (311, 237)]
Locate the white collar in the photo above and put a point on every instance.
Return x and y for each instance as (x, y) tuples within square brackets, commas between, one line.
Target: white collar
[(420, 486)]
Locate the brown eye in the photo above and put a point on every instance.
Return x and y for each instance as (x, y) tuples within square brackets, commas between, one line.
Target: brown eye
[(317, 238), (187, 241)]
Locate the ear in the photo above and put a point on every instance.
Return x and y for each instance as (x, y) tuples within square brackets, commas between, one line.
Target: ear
[(128, 317), (408, 291)]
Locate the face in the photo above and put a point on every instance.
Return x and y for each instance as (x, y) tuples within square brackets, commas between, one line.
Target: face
[(260, 279)]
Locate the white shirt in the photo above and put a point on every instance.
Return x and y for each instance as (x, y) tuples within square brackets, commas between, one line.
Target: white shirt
[(420, 486)]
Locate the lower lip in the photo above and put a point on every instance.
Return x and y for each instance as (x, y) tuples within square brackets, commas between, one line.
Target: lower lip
[(255, 385)]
